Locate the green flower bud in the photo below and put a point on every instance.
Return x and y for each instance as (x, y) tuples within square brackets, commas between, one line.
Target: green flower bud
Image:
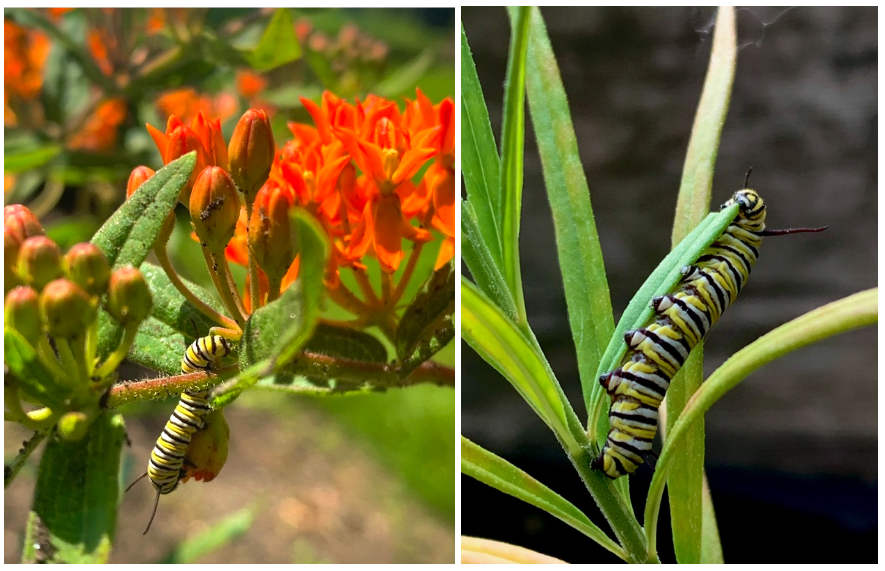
[(87, 266), (22, 313), (251, 152), (129, 298), (19, 224), (67, 310), (215, 208), (72, 426), (39, 261)]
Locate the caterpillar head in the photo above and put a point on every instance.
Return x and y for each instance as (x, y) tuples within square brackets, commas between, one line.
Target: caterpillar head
[(751, 204)]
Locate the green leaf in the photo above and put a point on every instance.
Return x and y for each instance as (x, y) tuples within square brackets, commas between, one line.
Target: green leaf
[(129, 234), (500, 474), (281, 328), (217, 536), (482, 266), (512, 143), (346, 343), (33, 377), (158, 347), (173, 309), (26, 159), (65, 86), (480, 163), (403, 80), (711, 545), (852, 312), (428, 322), (504, 346), (577, 243), (75, 503), (684, 487), (639, 310), (278, 44)]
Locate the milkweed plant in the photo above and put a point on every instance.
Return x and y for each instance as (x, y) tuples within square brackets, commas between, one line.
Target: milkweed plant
[(493, 316), (337, 216)]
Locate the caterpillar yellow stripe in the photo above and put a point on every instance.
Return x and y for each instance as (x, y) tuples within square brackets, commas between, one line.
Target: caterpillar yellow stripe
[(681, 320)]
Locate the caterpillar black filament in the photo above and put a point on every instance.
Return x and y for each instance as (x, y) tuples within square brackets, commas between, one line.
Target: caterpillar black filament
[(681, 320)]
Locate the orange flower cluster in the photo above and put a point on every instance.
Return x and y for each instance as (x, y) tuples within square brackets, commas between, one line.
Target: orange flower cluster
[(354, 168)]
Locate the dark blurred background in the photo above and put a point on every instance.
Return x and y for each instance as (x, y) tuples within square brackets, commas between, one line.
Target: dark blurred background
[(791, 452)]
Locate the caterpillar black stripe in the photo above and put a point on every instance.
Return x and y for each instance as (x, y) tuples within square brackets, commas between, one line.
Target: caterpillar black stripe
[(166, 465), (682, 318)]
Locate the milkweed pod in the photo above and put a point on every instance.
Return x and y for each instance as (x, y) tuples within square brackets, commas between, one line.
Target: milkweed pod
[(39, 261), (207, 453), (87, 266), (129, 298), (66, 309)]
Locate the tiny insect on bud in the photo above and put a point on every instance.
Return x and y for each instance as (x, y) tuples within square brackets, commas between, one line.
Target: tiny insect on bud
[(207, 452), (39, 261), (22, 313), (215, 208), (72, 426), (138, 177), (129, 298), (269, 230), (251, 152), (66, 309), (87, 266)]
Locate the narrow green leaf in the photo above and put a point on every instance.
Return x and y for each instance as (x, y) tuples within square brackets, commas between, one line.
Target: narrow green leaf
[(500, 474), (478, 257), (65, 85), (278, 44), (480, 163), (428, 323), (347, 344), (28, 159), (498, 340), (512, 151), (74, 516), (217, 536), (129, 234), (170, 306), (684, 487), (580, 254), (639, 310), (846, 314), (402, 81), (32, 376), (711, 545)]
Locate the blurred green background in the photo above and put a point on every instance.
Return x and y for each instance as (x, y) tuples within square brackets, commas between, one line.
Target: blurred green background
[(367, 478)]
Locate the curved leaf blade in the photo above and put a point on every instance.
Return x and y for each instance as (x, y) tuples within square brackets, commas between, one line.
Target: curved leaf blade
[(852, 312), (577, 243), (428, 323), (481, 263), (490, 469)]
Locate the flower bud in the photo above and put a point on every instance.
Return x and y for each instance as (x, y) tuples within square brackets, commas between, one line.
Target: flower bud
[(183, 140), (209, 133), (22, 313), (19, 223), (251, 152), (72, 426), (138, 177), (207, 453), (269, 230), (215, 208), (66, 308), (87, 266), (129, 298), (39, 261)]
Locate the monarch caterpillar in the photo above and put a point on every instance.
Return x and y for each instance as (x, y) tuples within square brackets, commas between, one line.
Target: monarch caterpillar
[(681, 320), (166, 467)]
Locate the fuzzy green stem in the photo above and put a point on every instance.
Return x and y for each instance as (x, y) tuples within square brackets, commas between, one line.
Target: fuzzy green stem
[(223, 288), (12, 469), (115, 358), (47, 357), (69, 361)]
